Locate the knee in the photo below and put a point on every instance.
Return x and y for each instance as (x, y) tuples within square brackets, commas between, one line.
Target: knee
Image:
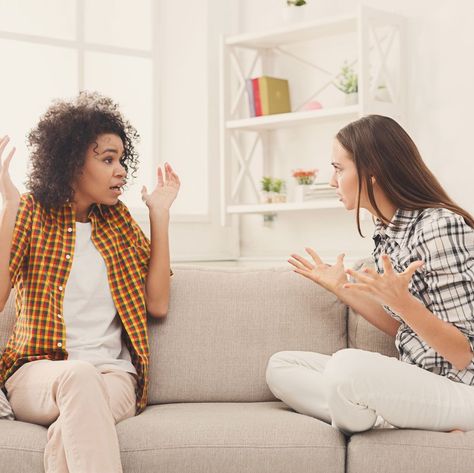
[(274, 367), (80, 372), (346, 366)]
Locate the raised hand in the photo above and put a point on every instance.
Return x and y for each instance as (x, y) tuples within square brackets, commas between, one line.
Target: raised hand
[(8, 190), (389, 288), (165, 192), (330, 277)]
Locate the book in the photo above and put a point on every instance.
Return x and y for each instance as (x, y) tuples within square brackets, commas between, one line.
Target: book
[(251, 101), (274, 95), (256, 97)]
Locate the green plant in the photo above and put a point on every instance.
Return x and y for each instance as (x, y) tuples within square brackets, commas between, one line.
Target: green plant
[(296, 3), (277, 185), (266, 183), (272, 184), (347, 80)]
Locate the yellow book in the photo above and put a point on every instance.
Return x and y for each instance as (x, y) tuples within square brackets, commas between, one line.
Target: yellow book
[(274, 95)]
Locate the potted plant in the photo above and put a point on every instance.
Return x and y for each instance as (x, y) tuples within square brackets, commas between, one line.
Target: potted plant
[(347, 83), (294, 10), (304, 179), (266, 183), (278, 189)]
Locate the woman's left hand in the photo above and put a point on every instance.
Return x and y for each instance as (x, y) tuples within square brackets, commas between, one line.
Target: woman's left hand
[(165, 191), (389, 288)]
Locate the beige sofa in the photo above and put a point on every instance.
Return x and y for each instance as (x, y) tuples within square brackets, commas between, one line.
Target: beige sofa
[(210, 410)]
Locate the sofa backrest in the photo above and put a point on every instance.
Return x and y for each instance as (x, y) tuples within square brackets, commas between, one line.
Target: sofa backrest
[(224, 324)]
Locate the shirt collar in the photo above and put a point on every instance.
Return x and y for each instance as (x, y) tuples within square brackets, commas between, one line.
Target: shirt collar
[(96, 209), (399, 227)]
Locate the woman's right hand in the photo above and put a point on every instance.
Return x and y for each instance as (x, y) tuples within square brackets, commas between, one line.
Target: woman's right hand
[(8, 190), (330, 277)]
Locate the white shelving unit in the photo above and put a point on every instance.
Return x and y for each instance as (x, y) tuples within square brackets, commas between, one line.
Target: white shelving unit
[(380, 39)]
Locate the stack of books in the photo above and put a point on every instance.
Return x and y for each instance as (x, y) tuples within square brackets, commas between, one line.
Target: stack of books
[(268, 95), (320, 190)]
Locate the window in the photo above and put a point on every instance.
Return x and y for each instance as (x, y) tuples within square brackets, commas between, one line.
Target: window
[(158, 60)]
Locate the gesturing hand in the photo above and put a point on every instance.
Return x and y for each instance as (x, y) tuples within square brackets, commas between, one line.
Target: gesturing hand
[(389, 288), (330, 277), (165, 192), (8, 190)]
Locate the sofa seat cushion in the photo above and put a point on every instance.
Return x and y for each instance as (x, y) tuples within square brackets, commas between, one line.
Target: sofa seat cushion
[(229, 437), (395, 451), (21, 447)]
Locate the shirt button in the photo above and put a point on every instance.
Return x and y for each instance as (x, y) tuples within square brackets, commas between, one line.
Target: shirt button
[(68, 256), (60, 316), (69, 229), (60, 288), (60, 344)]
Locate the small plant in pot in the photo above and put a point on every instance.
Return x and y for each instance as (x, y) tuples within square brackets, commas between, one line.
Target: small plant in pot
[(266, 183), (304, 180), (348, 83), (294, 10), (278, 189)]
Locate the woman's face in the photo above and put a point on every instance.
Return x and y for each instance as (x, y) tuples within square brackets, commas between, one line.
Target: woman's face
[(102, 176), (344, 177)]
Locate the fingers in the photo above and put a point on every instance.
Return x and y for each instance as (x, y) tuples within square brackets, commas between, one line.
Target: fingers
[(171, 174), (358, 286), (370, 271), (160, 177), (304, 262), (3, 143), (6, 164), (387, 265), (359, 276), (144, 193), (340, 259), (314, 255), (306, 274), (413, 268)]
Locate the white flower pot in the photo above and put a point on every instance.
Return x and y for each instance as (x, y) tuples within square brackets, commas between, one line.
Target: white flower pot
[(292, 14), (352, 99)]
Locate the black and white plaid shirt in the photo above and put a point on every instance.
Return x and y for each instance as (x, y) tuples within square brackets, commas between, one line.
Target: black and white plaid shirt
[(445, 283)]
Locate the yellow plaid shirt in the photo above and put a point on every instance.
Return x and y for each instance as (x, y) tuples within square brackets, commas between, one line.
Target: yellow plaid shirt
[(40, 261)]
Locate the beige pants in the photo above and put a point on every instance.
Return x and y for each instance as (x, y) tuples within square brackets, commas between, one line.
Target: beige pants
[(81, 406)]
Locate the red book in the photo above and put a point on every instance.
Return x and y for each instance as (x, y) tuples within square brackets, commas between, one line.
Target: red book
[(256, 97)]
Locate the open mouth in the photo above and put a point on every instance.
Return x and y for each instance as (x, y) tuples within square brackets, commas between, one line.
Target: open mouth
[(116, 189)]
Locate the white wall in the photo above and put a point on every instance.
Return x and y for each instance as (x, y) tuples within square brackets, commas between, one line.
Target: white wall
[(440, 40)]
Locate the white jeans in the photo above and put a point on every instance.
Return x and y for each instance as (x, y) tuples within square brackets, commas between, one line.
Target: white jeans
[(353, 389)]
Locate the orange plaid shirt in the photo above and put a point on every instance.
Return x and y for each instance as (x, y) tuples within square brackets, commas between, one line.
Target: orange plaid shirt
[(40, 261)]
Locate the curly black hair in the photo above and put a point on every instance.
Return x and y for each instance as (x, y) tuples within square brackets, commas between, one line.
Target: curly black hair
[(59, 143)]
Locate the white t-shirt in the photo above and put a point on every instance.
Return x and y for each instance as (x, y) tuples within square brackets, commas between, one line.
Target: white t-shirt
[(93, 328)]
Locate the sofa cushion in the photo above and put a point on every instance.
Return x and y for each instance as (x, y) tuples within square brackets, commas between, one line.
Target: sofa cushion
[(224, 324), (395, 451), (229, 437), (362, 334), (21, 447)]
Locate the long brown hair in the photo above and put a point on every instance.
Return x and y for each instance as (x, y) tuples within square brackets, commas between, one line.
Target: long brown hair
[(382, 149)]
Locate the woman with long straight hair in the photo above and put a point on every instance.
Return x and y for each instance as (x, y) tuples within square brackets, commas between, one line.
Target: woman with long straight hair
[(421, 292)]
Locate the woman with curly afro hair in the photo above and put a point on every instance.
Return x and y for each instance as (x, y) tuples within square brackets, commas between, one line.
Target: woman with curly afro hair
[(85, 277)]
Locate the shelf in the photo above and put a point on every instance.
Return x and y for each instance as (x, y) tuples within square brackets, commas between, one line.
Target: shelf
[(295, 33), (282, 120), (323, 203)]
